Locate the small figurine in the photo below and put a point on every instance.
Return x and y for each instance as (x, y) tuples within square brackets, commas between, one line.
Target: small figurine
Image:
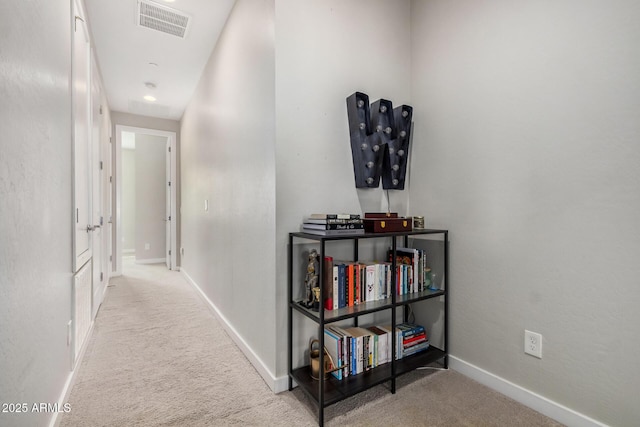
[(311, 280)]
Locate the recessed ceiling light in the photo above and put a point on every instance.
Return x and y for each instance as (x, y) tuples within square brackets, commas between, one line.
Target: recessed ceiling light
[(149, 98), (150, 85)]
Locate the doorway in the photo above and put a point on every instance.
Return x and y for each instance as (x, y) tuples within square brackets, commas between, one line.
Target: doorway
[(145, 196)]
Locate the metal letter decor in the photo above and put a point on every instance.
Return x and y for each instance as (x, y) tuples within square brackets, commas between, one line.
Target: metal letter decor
[(380, 138)]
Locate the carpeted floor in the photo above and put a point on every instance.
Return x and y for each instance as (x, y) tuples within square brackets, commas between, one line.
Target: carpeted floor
[(159, 357)]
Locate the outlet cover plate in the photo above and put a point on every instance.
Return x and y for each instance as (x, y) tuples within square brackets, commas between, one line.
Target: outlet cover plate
[(533, 344)]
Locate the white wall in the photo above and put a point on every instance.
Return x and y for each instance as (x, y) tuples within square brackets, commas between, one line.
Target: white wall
[(151, 200), (128, 208), (527, 127), (228, 159), (35, 212), (325, 51)]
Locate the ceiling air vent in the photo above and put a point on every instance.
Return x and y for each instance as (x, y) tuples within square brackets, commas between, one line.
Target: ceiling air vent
[(162, 18)]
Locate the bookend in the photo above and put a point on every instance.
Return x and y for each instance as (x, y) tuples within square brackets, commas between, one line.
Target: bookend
[(380, 138)]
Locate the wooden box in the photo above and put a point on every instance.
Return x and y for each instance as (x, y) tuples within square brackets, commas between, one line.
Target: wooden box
[(386, 223)]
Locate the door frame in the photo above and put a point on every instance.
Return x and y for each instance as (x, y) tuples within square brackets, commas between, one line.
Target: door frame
[(171, 137)]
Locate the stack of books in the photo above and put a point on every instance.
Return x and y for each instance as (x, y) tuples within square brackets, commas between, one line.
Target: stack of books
[(360, 349), (414, 339), (333, 224)]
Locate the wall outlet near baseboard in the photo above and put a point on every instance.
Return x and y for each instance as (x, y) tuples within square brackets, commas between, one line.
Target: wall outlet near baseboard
[(533, 344)]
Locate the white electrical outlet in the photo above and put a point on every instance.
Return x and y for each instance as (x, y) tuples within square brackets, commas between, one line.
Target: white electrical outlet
[(533, 344)]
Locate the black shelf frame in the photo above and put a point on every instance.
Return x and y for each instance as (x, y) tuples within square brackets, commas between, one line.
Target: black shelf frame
[(326, 392)]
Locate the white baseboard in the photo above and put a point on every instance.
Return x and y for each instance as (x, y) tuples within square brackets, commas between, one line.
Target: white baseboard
[(151, 261), (68, 385), (528, 398), (275, 384)]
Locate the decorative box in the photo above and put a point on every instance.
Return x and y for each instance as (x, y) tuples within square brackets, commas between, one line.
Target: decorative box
[(386, 223)]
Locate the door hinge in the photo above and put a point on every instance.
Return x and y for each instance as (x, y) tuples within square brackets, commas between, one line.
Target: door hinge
[(100, 164), (169, 217), (169, 251), (110, 258), (169, 183), (110, 179), (169, 149), (101, 109), (101, 276)]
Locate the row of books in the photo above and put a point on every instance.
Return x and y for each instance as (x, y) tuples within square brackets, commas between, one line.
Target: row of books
[(333, 224), (359, 349), (419, 276), (349, 283)]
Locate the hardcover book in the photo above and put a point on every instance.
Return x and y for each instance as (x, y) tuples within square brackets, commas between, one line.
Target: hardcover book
[(331, 232), (334, 216), (352, 226)]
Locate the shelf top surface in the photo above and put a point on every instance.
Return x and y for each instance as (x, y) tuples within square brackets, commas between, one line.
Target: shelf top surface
[(348, 236)]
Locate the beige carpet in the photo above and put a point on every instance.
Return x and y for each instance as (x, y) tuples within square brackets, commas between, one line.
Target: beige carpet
[(158, 357)]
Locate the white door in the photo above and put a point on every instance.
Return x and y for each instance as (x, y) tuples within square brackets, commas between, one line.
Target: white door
[(167, 216), (82, 147), (82, 285), (97, 188)]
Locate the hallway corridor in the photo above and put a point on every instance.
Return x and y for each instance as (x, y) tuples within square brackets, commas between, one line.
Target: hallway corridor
[(158, 356)]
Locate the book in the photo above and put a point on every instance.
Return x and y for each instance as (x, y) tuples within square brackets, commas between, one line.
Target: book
[(380, 350), (336, 302), (332, 221), (341, 285), (327, 278), (334, 216), (409, 329), (333, 344), (331, 232), (310, 226), (397, 352), (351, 353), (415, 349), (370, 282)]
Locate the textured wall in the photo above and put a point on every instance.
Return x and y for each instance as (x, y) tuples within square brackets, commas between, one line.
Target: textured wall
[(325, 51), (128, 208), (527, 117), (228, 159), (35, 212)]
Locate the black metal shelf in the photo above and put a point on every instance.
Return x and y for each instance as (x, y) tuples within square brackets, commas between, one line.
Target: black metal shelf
[(369, 307), (351, 236), (337, 390), (328, 391)]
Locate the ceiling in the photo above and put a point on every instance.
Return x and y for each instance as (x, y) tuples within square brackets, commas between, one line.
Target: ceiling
[(126, 52)]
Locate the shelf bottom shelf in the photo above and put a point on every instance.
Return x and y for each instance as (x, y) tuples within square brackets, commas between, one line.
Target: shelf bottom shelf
[(335, 390)]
